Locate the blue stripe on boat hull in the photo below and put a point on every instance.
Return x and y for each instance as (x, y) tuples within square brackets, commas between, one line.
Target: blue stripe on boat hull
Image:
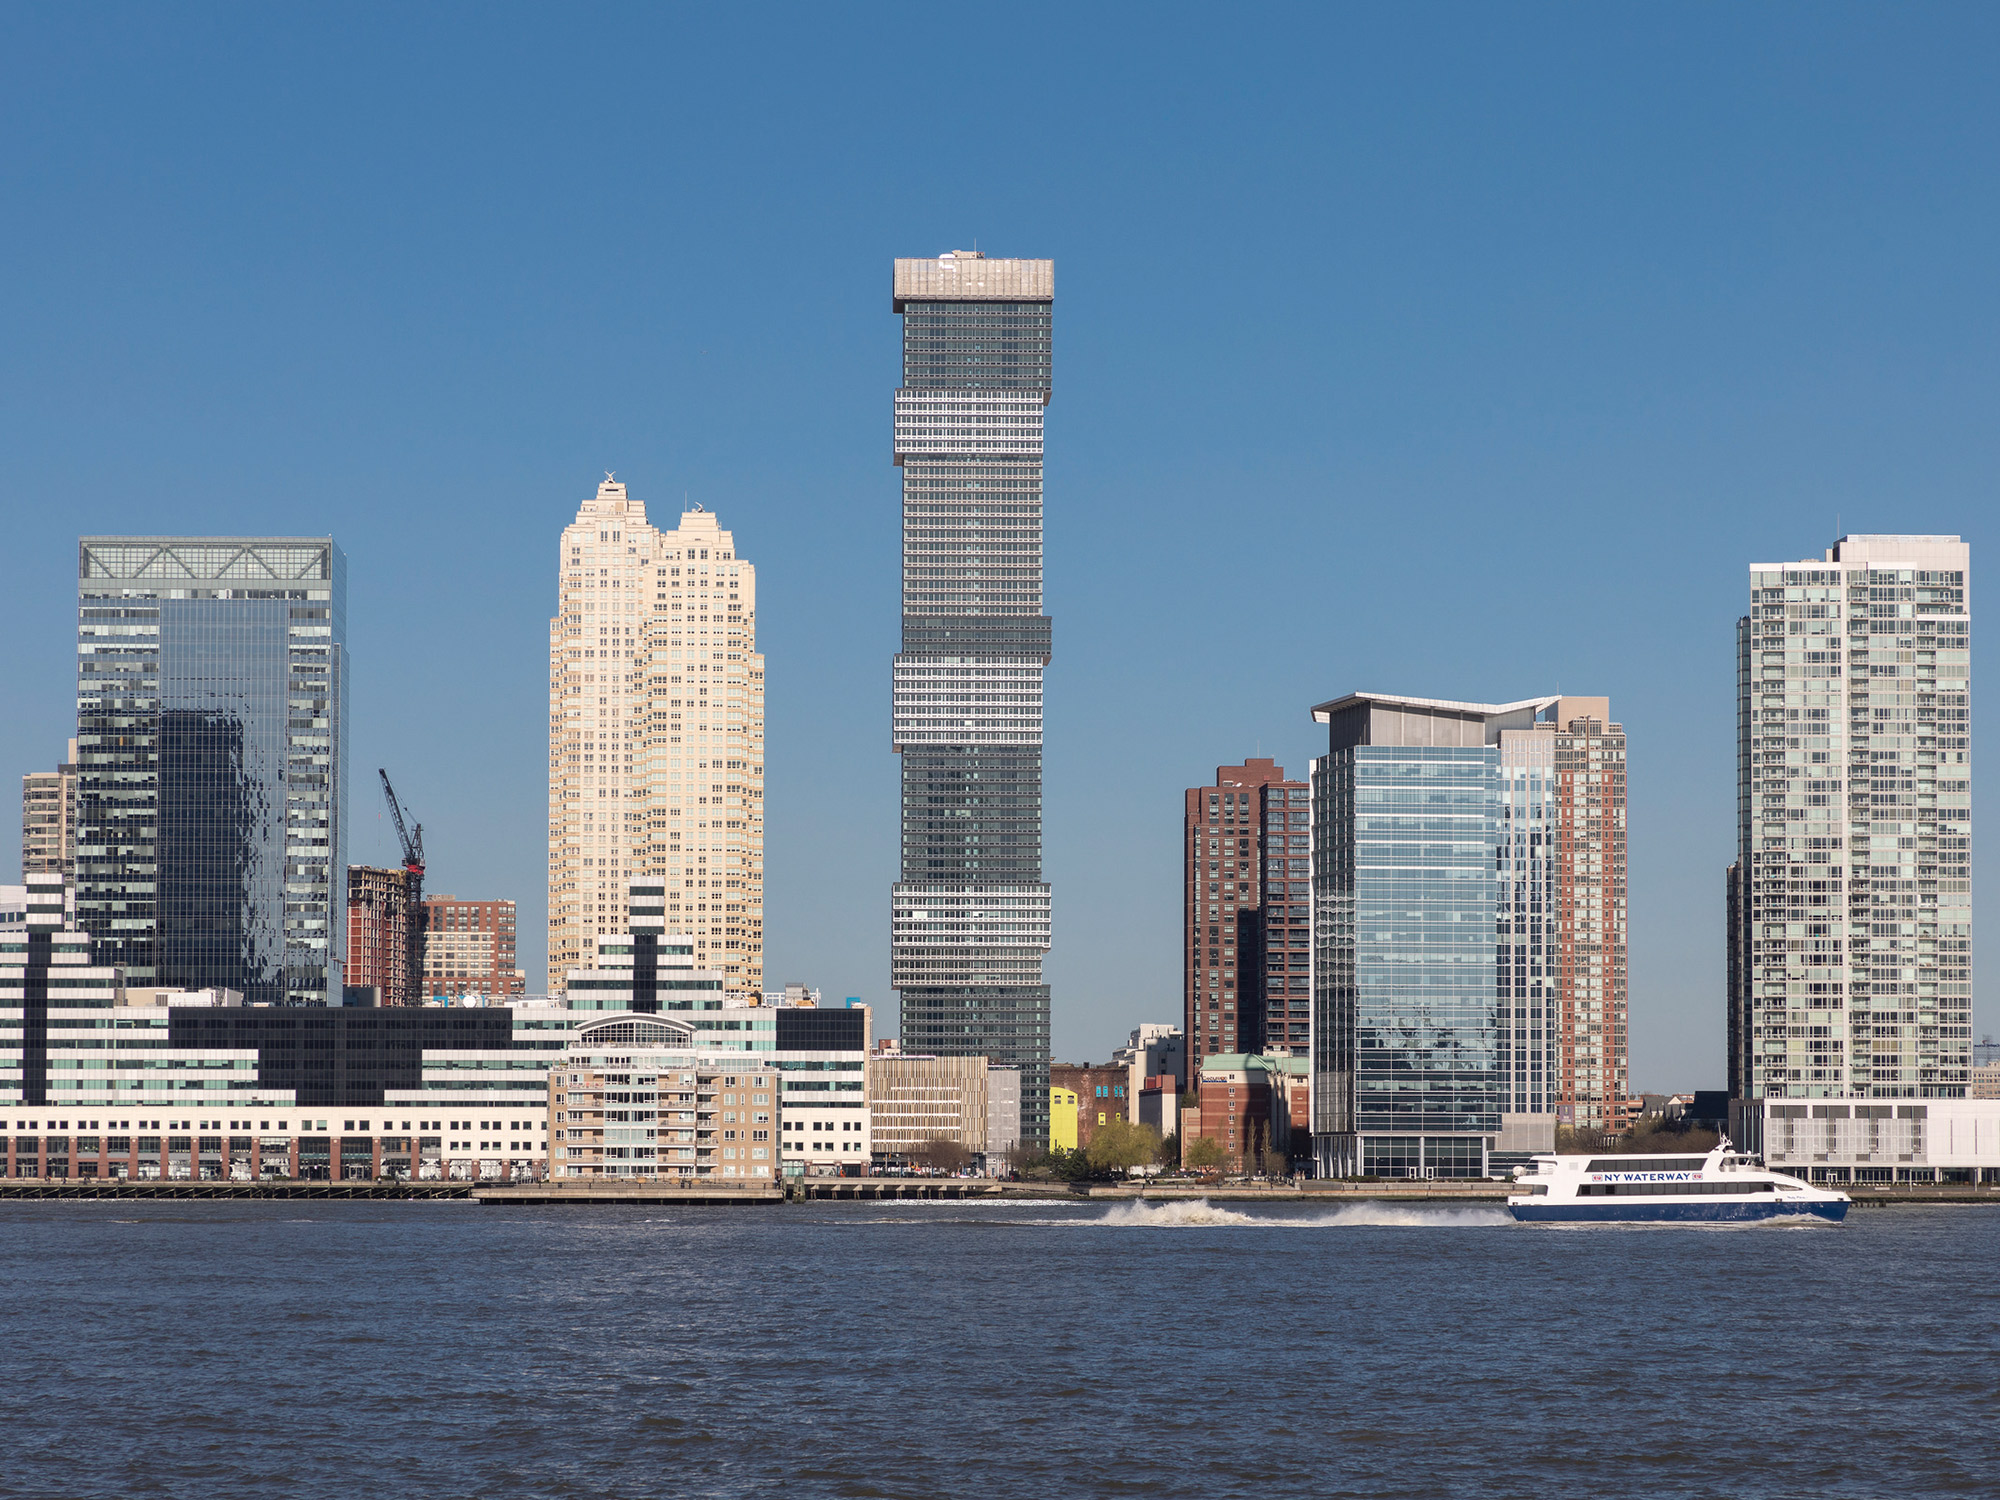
[(1674, 1213)]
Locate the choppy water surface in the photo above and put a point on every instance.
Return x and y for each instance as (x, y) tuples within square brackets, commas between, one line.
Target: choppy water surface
[(1035, 1350)]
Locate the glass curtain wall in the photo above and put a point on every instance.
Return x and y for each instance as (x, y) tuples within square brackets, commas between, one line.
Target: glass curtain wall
[(970, 911), (211, 727), (1406, 1036)]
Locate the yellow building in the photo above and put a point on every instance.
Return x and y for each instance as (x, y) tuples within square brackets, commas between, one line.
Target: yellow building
[(1062, 1119)]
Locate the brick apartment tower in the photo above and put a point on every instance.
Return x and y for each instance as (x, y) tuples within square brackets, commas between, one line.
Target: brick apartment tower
[(1590, 1083), (1246, 913), (378, 925)]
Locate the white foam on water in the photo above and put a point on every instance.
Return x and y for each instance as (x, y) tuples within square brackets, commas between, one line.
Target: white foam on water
[(1184, 1213), (1628, 1226), (1199, 1213)]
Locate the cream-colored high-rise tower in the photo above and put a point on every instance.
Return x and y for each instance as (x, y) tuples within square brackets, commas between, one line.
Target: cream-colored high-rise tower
[(656, 738)]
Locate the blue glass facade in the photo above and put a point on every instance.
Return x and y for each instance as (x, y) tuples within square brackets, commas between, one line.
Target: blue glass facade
[(1527, 948), (211, 729), (1431, 881)]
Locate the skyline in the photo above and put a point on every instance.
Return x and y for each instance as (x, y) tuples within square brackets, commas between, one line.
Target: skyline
[(1622, 398)]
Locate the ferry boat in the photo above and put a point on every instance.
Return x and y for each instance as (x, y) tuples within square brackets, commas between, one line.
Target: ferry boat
[(1723, 1186)]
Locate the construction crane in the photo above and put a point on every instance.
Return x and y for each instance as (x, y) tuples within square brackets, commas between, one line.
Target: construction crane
[(416, 918)]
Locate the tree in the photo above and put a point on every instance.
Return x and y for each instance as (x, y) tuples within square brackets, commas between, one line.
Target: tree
[(1069, 1165), (1276, 1164), (943, 1154), (1203, 1153), (1169, 1154), (1119, 1145)]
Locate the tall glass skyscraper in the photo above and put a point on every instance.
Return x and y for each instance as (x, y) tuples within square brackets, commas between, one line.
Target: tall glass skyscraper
[(1434, 975), (211, 712), (971, 913), (1850, 901)]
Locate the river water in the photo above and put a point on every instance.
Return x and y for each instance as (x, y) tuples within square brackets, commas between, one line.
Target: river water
[(1033, 1350)]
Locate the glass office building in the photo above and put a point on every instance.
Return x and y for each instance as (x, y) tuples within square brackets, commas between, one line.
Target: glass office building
[(971, 912), (1421, 810), (212, 762)]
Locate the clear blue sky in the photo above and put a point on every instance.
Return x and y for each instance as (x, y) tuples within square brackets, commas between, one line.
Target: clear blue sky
[(1459, 351)]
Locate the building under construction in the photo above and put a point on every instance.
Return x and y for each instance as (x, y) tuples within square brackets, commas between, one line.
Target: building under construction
[(378, 936)]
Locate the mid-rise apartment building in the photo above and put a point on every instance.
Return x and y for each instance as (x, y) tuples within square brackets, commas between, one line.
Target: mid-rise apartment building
[(1246, 958), (1850, 899), (633, 1098), (469, 949), (48, 819), (212, 762), (970, 913), (916, 1099)]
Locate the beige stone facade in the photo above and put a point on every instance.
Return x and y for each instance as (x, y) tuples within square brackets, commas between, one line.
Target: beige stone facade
[(656, 737), (48, 819), (914, 1100)]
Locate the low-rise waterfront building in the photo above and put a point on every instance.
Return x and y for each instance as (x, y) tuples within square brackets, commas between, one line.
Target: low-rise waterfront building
[(1063, 1113), (199, 1085), (1159, 1104), (822, 1060), (1245, 1108), (1154, 1049), (917, 1100), (1101, 1093), (1003, 1116), (634, 1097), (1873, 1142)]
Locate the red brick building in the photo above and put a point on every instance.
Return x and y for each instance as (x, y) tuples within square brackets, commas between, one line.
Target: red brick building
[(378, 914), (1246, 931), (1100, 1094), (469, 949), (1245, 1107)]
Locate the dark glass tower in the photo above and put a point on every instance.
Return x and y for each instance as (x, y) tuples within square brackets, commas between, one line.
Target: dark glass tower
[(971, 912), (212, 748)]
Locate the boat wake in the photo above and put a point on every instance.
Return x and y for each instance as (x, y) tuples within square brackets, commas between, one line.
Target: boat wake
[(1374, 1214)]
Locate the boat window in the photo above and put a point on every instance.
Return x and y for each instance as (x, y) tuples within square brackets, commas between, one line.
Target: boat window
[(1668, 1189), (1647, 1164)]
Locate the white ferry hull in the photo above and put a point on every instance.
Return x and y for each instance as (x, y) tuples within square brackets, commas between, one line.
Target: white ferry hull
[(1685, 1211)]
